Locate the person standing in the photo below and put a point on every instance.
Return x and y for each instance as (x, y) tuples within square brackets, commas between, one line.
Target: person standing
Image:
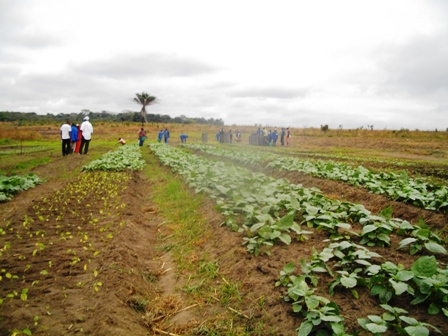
[(141, 137), (288, 136), (78, 143), (230, 136), (221, 135), (87, 130), (282, 137), (265, 137), (66, 131), (73, 138), (274, 137), (166, 135), (238, 136), (160, 136)]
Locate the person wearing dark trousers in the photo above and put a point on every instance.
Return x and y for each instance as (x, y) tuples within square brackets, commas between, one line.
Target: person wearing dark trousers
[(66, 131), (87, 130)]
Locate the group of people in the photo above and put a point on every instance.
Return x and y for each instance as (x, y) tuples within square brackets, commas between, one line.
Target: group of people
[(263, 136), (163, 135), (141, 135), (269, 138), (220, 136), (76, 138)]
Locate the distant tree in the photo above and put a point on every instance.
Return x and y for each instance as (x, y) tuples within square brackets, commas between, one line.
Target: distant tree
[(324, 128), (144, 99)]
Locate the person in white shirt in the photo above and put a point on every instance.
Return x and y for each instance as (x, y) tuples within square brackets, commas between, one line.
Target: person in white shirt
[(66, 131), (87, 130)]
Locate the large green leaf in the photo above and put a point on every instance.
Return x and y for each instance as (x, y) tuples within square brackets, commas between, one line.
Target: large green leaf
[(286, 238), (399, 287), (435, 248), (425, 266), (418, 330), (376, 328), (404, 275), (286, 222), (368, 228), (305, 328), (406, 241), (348, 282)]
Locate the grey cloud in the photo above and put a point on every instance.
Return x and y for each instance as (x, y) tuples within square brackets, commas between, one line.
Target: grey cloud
[(419, 67), (269, 92), (152, 64), (16, 32), (35, 40)]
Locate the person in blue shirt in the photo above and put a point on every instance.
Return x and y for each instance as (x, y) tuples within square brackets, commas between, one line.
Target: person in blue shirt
[(166, 135), (73, 138), (274, 137), (160, 136), (183, 137)]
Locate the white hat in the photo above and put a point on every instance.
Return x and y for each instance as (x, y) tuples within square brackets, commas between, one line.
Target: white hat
[(86, 118)]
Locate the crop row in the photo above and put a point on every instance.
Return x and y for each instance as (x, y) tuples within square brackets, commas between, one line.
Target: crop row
[(357, 268), (62, 235), (270, 209), (124, 157), (399, 187), (24, 150), (11, 185), (268, 205)]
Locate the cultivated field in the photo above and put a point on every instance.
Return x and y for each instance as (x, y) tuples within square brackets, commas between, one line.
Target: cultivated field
[(220, 239)]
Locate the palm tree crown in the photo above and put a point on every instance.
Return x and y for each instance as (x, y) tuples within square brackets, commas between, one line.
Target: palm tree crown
[(144, 99)]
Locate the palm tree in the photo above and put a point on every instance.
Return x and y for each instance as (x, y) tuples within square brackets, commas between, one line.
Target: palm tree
[(144, 99)]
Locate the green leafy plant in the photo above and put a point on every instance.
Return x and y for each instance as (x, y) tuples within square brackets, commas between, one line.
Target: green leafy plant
[(431, 284), (392, 320), (421, 237), (389, 280), (11, 185)]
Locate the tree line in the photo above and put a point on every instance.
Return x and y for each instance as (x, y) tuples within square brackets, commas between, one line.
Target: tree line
[(27, 118)]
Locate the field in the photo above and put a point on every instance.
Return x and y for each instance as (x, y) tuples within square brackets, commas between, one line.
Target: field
[(220, 239)]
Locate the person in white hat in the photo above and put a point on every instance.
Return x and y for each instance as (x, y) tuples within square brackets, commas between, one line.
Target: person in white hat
[(87, 130)]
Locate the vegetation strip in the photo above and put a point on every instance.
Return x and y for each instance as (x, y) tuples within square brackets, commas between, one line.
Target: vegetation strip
[(399, 187), (11, 185), (231, 188), (124, 157)]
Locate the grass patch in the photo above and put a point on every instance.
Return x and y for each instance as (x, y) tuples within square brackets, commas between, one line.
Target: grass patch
[(187, 232), (32, 163)]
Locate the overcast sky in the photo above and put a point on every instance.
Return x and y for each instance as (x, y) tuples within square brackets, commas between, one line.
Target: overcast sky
[(279, 63)]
